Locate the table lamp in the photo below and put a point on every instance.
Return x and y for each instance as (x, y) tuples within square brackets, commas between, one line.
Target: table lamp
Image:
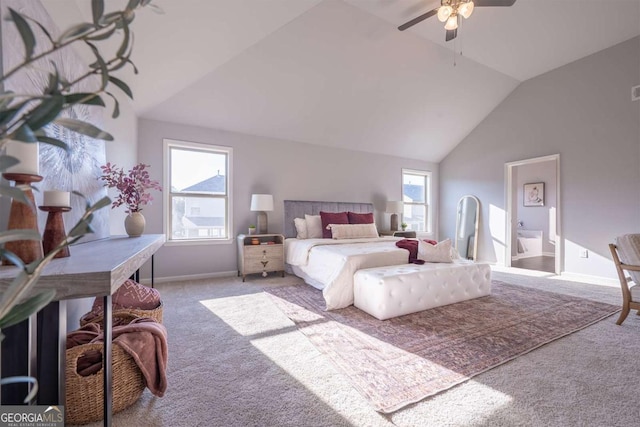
[(262, 203)]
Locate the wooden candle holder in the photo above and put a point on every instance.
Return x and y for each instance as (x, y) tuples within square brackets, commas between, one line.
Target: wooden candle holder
[(23, 216), (54, 232)]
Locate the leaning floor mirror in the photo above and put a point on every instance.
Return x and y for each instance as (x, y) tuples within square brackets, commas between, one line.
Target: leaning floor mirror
[(467, 227)]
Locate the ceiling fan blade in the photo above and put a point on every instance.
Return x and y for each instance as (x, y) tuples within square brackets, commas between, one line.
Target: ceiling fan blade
[(451, 34), (488, 3), (418, 19)]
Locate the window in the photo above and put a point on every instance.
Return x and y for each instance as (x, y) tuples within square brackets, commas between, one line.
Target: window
[(416, 195), (198, 202)]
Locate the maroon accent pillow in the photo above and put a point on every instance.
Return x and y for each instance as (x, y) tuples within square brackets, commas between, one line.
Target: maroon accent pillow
[(360, 218), (332, 218), (431, 242)]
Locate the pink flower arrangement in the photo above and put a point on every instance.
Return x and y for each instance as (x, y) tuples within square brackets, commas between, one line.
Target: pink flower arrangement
[(132, 187)]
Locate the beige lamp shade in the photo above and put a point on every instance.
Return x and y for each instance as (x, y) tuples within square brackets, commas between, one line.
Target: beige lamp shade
[(395, 206), (262, 202)]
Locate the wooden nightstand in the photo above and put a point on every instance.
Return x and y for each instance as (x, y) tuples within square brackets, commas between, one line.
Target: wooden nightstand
[(406, 234), (265, 256)]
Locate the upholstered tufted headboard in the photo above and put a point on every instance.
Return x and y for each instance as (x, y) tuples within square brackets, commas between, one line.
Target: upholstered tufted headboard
[(298, 208)]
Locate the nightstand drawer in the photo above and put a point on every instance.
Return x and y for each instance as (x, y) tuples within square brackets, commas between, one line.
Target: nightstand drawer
[(254, 256), (258, 251), (256, 266)]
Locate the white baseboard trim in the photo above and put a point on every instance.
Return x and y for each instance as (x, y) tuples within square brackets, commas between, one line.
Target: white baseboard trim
[(572, 277), (147, 281), (587, 278), (517, 257)]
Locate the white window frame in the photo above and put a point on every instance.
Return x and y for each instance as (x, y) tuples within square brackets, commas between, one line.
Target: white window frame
[(168, 144), (427, 197)]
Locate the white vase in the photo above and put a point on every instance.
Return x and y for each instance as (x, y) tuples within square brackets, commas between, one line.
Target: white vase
[(134, 224)]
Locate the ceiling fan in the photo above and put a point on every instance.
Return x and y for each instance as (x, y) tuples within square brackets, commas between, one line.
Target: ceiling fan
[(451, 11)]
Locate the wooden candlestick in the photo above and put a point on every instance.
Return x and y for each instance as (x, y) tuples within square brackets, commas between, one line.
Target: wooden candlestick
[(23, 216), (54, 230)]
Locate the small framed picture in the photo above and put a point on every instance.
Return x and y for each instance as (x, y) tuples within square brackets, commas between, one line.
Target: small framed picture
[(534, 194)]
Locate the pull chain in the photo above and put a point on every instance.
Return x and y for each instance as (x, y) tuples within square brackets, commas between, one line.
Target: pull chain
[(457, 43)]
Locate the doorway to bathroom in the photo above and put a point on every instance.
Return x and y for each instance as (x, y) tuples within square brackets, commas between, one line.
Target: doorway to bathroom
[(533, 214)]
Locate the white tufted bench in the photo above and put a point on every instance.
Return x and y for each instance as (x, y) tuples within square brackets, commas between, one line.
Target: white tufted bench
[(387, 292)]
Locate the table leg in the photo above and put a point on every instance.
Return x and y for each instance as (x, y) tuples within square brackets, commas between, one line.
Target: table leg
[(62, 352), (106, 357), (152, 271), (33, 346)]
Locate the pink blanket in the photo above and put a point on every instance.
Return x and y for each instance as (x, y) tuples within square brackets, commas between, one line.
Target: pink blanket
[(143, 339)]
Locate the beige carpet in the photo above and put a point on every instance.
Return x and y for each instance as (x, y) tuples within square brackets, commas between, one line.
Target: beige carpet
[(399, 361), (236, 360)]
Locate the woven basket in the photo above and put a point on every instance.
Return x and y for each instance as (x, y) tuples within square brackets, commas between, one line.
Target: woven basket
[(85, 395), (155, 314)]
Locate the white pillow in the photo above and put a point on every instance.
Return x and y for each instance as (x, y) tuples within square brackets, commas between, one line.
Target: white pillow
[(353, 231), (435, 253), (301, 227), (314, 226)]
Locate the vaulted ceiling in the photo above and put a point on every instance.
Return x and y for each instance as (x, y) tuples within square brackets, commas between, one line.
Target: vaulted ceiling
[(339, 73)]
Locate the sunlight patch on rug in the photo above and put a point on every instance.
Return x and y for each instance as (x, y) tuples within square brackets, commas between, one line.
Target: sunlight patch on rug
[(399, 361)]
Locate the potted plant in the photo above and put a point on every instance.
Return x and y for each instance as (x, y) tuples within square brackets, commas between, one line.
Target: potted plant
[(133, 192), (404, 226), (252, 229)]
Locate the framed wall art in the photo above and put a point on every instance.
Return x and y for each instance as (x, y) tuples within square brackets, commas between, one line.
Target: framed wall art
[(534, 194)]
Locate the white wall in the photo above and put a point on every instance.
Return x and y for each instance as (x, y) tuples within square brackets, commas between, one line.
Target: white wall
[(123, 151), (288, 170), (583, 111)]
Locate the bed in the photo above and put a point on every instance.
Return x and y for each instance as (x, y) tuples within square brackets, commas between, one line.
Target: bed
[(329, 264), (388, 285)]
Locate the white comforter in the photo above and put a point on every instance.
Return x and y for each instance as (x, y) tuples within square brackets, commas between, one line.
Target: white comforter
[(334, 262)]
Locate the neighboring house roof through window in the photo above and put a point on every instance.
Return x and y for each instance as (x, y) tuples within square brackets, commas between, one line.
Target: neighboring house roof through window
[(215, 184), (414, 192)]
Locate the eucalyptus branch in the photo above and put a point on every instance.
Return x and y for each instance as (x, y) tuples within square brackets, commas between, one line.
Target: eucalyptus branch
[(59, 45), (88, 74), (31, 60)]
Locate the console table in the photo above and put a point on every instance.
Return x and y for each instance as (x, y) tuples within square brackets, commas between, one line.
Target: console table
[(94, 269)]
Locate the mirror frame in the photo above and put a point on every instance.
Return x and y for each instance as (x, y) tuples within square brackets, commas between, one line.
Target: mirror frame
[(475, 240)]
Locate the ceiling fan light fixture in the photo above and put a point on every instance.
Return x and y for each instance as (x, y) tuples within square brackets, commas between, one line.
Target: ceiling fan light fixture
[(452, 23), (444, 12), (466, 9)]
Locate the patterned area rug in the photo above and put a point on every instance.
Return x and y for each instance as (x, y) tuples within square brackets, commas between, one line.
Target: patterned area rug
[(396, 362)]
